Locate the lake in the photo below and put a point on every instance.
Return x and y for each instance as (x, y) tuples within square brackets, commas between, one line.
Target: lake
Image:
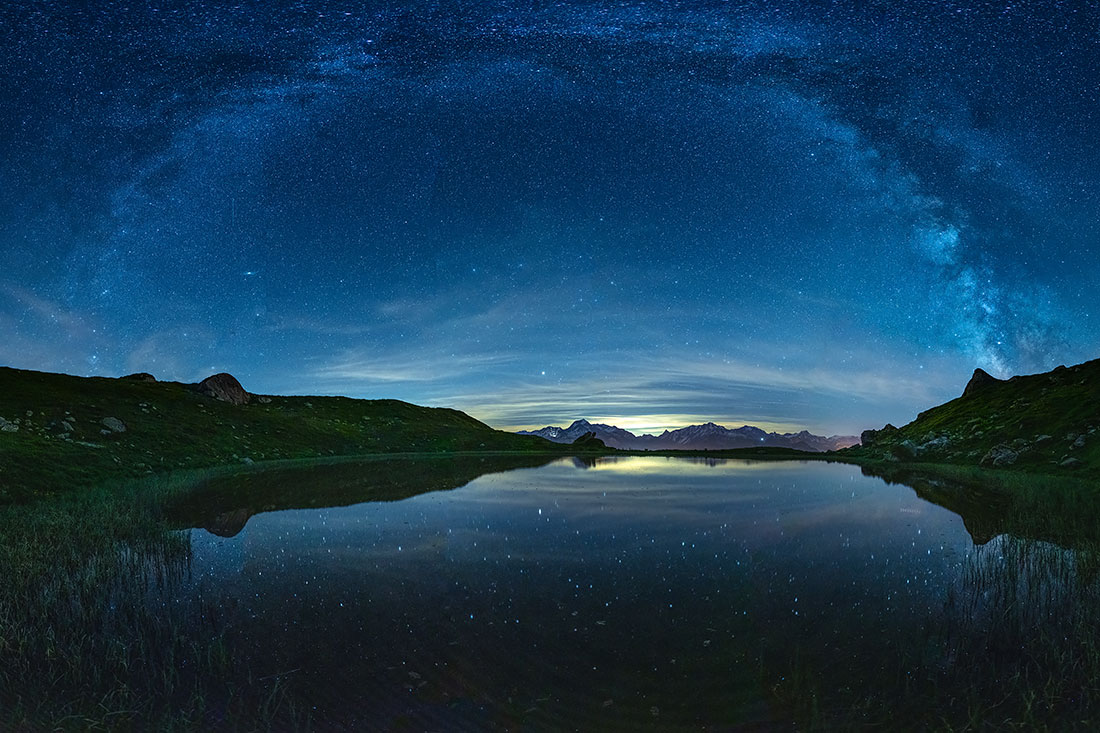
[(601, 594)]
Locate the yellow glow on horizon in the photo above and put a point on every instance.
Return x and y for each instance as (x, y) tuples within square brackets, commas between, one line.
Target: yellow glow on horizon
[(658, 423), (637, 465)]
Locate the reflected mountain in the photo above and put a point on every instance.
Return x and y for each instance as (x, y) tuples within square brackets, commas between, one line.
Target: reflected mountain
[(1060, 512), (222, 505)]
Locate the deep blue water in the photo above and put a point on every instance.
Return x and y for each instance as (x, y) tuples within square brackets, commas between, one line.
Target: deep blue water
[(637, 591)]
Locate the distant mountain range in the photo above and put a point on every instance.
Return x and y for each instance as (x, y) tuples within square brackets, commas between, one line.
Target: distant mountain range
[(694, 437)]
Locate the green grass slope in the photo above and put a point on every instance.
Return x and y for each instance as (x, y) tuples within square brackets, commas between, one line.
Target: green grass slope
[(59, 432), (1041, 423)]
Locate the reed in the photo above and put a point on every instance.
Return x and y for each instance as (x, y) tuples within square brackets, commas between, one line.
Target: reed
[(88, 638)]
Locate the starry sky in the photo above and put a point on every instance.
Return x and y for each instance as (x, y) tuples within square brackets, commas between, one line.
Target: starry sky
[(803, 214)]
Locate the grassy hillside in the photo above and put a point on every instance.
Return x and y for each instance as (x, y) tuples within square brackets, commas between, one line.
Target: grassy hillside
[(59, 432), (1042, 423)]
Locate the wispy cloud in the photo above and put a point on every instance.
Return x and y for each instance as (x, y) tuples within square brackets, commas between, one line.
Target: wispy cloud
[(360, 369), (627, 387), (37, 331)]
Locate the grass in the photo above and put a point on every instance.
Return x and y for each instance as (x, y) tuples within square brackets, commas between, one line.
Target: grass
[(62, 443), (87, 642), (1043, 419)]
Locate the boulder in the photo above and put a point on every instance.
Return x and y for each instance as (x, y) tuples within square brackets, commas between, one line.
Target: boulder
[(8, 427), (226, 388), (1000, 456), (979, 381), (1068, 462), (113, 425), (140, 377), (934, 444)]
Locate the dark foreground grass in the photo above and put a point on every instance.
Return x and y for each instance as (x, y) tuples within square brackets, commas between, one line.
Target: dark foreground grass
[(1015, 645), (1015, 648), (87, 638)]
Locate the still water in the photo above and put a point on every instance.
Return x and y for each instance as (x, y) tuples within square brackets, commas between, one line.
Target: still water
[(615, 593)]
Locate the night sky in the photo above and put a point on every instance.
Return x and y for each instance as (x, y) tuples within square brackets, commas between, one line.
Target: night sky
[(815, 215)]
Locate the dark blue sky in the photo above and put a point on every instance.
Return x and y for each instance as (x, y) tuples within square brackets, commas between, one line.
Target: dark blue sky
[(791, 214)]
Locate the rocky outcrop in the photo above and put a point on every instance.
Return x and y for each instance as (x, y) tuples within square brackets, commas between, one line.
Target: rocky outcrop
[(870, 437), (140, 377), (1034, 422), (589, 441), (979, 381), (226, 388), (1000, 456)]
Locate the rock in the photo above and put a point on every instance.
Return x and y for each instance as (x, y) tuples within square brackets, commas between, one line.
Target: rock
[(870, 437), (589, 441), (934, 445), (247, 461), (113, 424), (1043, 439), (226, 388), (1079, 443), (908, 449), (8, 427), (140, 377), (1000, 456), (263, 399), (1068, 462), (979, 381)]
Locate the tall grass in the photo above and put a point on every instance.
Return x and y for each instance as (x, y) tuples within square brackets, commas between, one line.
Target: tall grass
[(88, 637), (1015, 645)]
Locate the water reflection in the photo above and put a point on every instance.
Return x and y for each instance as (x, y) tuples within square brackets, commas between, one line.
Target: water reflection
[(223, 504), (1065, 513), (629, 592), (524, 594)]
